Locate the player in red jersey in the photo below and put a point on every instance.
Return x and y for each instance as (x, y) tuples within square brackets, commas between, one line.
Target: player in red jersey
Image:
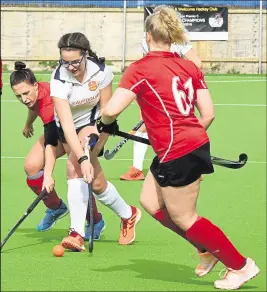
[(167, 89), (186, 51), (40, 161)]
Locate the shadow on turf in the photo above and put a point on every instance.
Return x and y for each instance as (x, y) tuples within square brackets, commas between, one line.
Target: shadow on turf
[(162, 271), (53, 235)]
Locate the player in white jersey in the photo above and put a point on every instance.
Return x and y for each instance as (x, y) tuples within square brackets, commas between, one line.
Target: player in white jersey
[(186, 51), (81, 86)]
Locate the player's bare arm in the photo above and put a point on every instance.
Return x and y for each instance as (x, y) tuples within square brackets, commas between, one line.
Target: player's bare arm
[(192, 56), (120, 100), (50, 161), (205, 106), (105, 96), (28, 130)]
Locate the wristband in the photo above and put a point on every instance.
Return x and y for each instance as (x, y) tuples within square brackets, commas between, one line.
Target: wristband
[(82, 158)]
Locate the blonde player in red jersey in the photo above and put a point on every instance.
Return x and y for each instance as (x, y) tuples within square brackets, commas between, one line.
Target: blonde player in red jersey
[(167, 89), (186, 51)]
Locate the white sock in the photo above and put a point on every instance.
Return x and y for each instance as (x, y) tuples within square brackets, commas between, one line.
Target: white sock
[(78, 196), (139, 151), (112, 199)]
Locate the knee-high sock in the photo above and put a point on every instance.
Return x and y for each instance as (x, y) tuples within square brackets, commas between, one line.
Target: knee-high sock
[(139, 151), (112, 199), (78, 195), (35, 183), (164, 218), (211, 237)]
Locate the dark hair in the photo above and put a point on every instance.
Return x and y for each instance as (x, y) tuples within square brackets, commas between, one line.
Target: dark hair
[(21, 74), (77, 40)]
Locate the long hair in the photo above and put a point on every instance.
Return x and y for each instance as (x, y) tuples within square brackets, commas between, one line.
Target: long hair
[(166, 26)]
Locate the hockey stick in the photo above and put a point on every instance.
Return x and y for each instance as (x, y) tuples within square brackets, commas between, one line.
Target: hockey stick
[(89, 145), (25, 215), (215, 160), (110, 154)]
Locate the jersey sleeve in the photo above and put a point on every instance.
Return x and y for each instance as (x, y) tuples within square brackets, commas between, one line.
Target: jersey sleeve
[(59, 88), (199, 80), (107, 77), (46, 111), (131, 79)]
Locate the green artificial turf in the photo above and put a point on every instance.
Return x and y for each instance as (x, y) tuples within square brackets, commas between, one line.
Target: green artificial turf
[(159, 260)]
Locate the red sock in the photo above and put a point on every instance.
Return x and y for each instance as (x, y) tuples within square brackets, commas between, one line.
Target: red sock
[(35, 183), (164, 218), (97, 215), (205, 233)]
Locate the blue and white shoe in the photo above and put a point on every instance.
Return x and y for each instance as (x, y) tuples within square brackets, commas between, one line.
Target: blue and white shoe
[(51, 217), (99, 227)]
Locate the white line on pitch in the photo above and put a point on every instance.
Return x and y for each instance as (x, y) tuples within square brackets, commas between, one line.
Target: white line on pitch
[(115, 159), (238, 104)]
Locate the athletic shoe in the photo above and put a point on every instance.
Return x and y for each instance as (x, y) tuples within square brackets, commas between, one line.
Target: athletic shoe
[(74, 241), (207, 263), (234, 279), (133, 174), (51, 217), (127, 235), (99, 227)]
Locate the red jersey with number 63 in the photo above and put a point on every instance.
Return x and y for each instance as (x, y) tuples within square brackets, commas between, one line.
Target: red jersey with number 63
[(166, 87)]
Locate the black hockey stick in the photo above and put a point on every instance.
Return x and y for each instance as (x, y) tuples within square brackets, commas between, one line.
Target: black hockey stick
[(90, 143), (215, 160), (25, 215), (243, 158), (110, 154)]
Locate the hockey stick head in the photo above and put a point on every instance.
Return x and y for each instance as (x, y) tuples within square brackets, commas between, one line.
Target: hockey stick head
[(243, 158), (229, 163), (109, 154)]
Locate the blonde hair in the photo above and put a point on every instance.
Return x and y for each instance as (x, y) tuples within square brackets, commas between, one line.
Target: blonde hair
[(166, 26)]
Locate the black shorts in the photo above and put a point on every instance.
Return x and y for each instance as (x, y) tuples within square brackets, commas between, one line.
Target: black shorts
[(183, 170), (62, 138)]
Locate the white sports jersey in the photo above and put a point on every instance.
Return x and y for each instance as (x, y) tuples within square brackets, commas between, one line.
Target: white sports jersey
[(181, 50), (83, 97)]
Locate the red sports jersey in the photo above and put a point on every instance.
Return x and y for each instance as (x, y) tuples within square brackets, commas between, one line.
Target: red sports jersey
[(166, 86), (44, 106)]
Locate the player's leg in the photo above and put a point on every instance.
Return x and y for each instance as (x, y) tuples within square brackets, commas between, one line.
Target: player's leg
[(181, 204), (135, 172), (152, 201), (33, 166), (99, 224), (106, 193)]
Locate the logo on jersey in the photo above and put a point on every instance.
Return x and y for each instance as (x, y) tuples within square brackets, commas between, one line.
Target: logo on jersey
[(92, 85)]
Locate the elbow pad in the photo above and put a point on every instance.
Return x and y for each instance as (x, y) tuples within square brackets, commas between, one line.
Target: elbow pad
[(50, 134)]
